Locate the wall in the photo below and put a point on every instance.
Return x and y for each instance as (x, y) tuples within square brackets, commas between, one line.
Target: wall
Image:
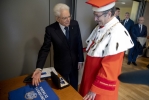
[(123, 10), (85, 17), (22, 29), (146, 16), (134, 10)]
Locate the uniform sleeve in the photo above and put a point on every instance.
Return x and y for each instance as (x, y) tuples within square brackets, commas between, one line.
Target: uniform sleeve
[(107, 78)]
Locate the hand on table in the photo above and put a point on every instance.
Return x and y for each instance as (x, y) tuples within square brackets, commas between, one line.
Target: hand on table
[(36, 77)]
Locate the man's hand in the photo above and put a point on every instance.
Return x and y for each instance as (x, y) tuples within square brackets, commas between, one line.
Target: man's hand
[(36, 77), (89, 96), (80, 65)]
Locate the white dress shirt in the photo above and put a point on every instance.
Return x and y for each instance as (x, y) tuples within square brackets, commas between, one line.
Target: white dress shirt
[(140, 26), (63, 28), (126, 20)]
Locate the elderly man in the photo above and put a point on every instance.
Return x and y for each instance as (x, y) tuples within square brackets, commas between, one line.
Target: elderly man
[(139, 30), (117, 13), (128, 23), (65, 36), (104, 59)]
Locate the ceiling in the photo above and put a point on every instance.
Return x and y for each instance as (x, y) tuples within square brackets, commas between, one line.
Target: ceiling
[(128, 3)]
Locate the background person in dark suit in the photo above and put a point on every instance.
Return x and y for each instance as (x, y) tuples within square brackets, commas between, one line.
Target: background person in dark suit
[(65, 36), (138, 30), (117, 13), (128, 23)]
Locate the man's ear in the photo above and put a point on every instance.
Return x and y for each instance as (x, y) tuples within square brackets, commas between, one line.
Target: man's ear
[(109, 14), (57, 19)]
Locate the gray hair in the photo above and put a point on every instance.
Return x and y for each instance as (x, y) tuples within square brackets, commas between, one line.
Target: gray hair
[(127, 13), (58, 7), (112, 10)]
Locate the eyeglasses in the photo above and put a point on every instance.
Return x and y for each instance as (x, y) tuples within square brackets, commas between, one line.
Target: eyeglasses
[(98, 16), (65, 18)]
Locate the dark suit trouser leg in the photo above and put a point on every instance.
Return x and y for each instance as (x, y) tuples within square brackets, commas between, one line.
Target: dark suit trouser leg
[(135, 55), (130, 54), (74, 79)]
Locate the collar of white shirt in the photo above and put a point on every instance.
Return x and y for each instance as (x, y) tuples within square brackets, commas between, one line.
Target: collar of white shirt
[(62, 28), (126, 20), (140, 25)]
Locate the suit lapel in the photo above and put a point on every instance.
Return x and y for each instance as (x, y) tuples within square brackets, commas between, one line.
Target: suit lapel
[(61, 35), (123, 21), (71, 33), (126, 22)]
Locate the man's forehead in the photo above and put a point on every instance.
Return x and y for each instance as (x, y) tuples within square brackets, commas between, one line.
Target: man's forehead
[(65, 13), (97, 13), (141, 18)]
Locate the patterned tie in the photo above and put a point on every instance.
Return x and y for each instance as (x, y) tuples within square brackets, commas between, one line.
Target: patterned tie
[(125, 22), (67, 33), (140, 28)]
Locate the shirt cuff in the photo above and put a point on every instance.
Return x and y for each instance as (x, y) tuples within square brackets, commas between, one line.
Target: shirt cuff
[(39, 69)]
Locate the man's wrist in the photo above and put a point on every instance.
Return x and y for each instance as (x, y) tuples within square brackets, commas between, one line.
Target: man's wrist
[(39, 69)]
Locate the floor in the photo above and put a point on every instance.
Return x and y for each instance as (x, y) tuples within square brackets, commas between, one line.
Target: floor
[(131, 91)]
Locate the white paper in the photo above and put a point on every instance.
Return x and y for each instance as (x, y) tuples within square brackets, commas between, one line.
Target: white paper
[(142, 40), (48, 72)]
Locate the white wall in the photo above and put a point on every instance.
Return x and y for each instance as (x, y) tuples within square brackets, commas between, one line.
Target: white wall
[(146, 16), (22, 29), (85, 17), (134, 10), (123, 10)]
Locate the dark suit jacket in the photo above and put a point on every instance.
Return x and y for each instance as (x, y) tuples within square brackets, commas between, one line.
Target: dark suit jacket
[(118, 18), (128, 25), (136, 33), (67, 54)]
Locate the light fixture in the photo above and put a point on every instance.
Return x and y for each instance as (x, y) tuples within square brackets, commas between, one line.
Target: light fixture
[(123, 3)]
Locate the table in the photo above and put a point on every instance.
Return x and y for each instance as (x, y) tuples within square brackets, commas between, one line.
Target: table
[(67, 93)]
